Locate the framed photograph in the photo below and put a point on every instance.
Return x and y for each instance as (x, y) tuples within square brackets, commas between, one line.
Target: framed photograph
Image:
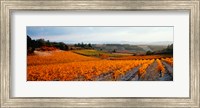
[(116, 53)]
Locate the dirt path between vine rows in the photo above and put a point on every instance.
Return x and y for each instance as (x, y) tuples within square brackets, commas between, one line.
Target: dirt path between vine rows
[(152, 74), (169, 72), (130, 75)]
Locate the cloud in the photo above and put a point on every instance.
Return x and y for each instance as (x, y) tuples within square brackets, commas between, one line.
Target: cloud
[(94, 34)]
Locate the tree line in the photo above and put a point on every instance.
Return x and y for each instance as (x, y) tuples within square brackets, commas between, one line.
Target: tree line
[(39, 43), (168, 50)]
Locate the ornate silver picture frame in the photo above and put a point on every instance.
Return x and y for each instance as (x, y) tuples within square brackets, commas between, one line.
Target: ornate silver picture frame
[(8, 6)]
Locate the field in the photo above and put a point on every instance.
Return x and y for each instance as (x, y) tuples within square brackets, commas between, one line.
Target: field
[(101, 54), (92, 65)]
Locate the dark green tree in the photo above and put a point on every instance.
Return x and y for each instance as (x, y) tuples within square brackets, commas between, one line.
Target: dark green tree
[(30, 45), (149, 52), (114, 51), (89, 45)]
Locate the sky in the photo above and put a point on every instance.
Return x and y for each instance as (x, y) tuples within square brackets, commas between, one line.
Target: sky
[(99, 35)]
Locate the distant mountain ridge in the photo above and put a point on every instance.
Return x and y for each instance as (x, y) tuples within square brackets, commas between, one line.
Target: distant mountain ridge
[(124, 42)]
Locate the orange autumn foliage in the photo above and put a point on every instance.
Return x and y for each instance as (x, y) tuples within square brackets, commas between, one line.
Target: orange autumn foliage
[(130, 65), (142, 69), (72, 71), (168, 60), (56, 57), (160, 67), (68, 66)]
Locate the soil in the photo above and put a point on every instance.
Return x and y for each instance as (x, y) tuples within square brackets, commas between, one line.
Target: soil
[(105, 77), (42, 53), (152, 74), (130, 75), (169, 72)]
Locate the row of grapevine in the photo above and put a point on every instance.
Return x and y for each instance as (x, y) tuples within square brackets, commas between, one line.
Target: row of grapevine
[(160, 67), (123, 70), (168, 60), (142, 69)]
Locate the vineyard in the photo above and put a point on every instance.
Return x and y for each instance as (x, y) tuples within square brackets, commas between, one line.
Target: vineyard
[(70, 66)]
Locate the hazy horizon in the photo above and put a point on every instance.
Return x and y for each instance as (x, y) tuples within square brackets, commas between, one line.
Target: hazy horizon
[(103, 35)]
